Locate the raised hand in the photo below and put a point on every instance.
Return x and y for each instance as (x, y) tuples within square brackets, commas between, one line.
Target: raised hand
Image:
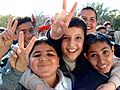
[(7, 36), (34, 20), (20, 59), (60, 22)]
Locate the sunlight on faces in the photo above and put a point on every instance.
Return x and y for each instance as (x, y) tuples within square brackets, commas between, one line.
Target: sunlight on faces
[(90, 18), (28, 30), (100, 55), (72, 43), (44, 61)]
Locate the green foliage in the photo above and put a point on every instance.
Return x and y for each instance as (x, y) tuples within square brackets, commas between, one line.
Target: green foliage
[(117, 23), (4, 20)]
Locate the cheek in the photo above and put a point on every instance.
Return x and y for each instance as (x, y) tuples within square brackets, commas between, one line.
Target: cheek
[(93, 62), (94, 25), (63, 46), (80, 44), (55, 61), (33, 64)]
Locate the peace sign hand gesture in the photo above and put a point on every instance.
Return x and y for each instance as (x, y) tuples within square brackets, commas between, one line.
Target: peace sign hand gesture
[(7, 36), (61, 21), (21, 61)]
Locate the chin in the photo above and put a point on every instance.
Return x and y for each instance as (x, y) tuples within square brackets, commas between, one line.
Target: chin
[(105, 71), (72, 59)]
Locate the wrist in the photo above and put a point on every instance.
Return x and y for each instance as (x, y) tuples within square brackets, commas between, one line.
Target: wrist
[(20, 67), (55, 35), (3, 51), (112, 84)]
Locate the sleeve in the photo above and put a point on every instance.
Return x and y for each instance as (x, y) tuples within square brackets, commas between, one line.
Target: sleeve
[(29, 80), (115, 73), (9, 77)]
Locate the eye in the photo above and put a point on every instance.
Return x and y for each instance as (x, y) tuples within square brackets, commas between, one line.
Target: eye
[(31, 30), (93, 19), (84, 18), (78, 38), (92, 55), (36, 55), (105, 52), (49, 54), (64, 38)]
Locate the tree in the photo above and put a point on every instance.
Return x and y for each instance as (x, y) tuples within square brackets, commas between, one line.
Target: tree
[(117, 23), (4, 20)]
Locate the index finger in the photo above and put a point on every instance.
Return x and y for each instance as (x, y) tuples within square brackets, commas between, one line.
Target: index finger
[(64, 5), (21, 40), (14, 26), (34, 20), (30, 45), (9, 23), (71, 13)]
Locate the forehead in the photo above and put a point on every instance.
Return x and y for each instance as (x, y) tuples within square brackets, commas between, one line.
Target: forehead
[(99, 45), (88, 13), (71, 31), (26, 25), (43, 47)]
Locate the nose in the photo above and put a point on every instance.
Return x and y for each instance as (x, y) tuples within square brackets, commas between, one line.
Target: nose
[(71, 42), (43, 58), (88, 22), (101, 60)]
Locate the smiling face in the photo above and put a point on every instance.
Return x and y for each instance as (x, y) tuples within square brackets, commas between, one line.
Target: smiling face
[(72, 43), (100, 56), (90, 18), (28, 30), (44, 61)]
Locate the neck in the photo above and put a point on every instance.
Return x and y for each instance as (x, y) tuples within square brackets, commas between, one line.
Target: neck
[(52, 80), (70, 64)]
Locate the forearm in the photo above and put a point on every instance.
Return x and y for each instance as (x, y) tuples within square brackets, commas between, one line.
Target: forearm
[(115, 73), (10, 77), (3, 51)]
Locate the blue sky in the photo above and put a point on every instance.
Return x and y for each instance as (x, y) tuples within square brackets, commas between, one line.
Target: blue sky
[(49, 7)]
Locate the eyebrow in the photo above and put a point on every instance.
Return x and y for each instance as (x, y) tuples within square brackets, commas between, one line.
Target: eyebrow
[(90, 17), (45, 51), (100, 50), (74, 35)]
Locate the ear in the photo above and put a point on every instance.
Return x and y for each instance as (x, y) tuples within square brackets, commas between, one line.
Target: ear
[(113, 49), (85, 56)]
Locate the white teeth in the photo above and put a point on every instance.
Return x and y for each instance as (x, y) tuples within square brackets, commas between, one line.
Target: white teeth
[(88, 28), (104, 66), (72, 50)]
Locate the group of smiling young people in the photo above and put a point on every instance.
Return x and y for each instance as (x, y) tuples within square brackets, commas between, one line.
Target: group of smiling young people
[(71, 56)]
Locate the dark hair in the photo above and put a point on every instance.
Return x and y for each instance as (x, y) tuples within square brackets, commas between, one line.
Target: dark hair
[(89, 8), (44, 39), (22, 20), (96, 37), (98, 28), (77, 22)]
